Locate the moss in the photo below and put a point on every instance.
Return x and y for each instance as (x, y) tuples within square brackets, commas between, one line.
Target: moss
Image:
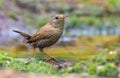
[(4, 60), (17, 65), (109, 70), (41, 67), (101, 65), (33, 66)]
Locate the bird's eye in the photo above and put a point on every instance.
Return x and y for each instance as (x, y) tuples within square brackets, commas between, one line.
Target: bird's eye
[(56, 17)]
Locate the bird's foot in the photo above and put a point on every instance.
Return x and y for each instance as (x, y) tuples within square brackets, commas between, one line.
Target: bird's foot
[(53, 61), (52, 58)]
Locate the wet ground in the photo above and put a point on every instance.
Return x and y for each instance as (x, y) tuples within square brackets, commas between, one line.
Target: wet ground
[(52, 61)]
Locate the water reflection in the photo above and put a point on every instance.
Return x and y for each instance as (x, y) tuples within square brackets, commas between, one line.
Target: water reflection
[(94, 31), (6, 33)]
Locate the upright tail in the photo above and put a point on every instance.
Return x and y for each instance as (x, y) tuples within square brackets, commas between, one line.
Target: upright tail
[(26, 36)]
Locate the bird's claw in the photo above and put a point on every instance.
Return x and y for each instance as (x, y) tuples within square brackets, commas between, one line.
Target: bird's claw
[(52, 61)]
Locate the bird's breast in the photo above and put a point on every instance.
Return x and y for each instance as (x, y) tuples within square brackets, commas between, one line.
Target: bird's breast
[(57, 34), (54, 37)]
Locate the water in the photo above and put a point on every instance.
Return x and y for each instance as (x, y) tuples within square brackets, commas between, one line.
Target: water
[(94, 31), (6, 33)]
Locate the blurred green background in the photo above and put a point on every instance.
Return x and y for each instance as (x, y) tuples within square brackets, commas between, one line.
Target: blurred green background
[(91, 37), (92, 25)]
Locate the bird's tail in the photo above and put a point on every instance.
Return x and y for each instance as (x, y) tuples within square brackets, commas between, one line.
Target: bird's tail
[(26, 36)]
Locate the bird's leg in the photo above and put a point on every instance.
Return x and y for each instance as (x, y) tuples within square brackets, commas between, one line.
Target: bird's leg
[(34, 52), (41, 50), (47, 54), (52, 60)]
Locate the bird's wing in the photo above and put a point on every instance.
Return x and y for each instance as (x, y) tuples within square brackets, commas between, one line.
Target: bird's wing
[(41, 34)]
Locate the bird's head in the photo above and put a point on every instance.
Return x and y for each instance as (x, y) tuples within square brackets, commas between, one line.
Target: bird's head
[(57, 21)]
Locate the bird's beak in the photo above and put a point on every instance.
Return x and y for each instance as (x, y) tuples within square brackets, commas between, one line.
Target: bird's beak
[(63, 17)]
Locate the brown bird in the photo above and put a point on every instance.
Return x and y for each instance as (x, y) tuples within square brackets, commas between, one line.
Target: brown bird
[(47, 35)]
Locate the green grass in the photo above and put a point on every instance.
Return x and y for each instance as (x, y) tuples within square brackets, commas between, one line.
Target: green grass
[(102, 64), (87, 58)]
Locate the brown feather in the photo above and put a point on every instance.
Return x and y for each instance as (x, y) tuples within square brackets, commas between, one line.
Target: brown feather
[(26, 36), (48, 35), (44, 33)]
